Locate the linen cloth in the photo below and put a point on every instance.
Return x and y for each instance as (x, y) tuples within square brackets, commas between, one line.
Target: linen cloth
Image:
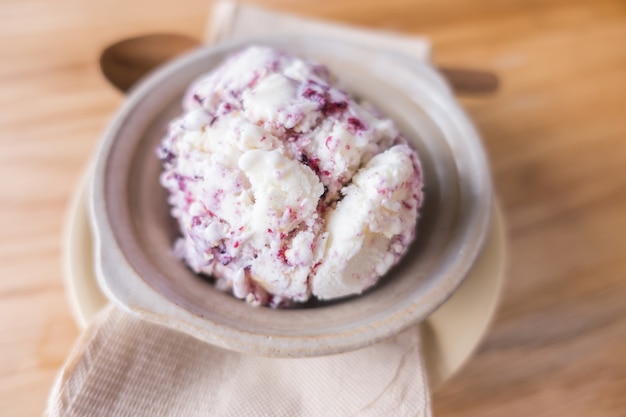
[(126, 367)]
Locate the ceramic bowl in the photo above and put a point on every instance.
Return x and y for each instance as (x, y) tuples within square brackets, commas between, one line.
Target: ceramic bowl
[(134, 232)]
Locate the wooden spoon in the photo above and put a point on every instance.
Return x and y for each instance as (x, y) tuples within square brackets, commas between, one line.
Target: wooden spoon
[(123, 63)]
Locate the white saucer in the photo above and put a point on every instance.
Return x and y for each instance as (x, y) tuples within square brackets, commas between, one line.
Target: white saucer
[(451, 334)]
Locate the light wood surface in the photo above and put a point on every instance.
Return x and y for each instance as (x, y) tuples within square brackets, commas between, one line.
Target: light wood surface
[(556, 135)]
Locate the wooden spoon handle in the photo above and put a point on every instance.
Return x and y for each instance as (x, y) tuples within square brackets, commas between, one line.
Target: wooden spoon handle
[(125, 62), (470, 81)]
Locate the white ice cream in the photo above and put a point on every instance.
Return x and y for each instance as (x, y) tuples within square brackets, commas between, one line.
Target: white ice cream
[(284, 187)]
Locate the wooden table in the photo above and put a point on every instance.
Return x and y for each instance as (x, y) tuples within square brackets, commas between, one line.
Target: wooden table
[(556, 135)]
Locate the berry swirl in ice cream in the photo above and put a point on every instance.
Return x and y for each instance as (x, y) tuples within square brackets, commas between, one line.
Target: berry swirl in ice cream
[(284, 186)]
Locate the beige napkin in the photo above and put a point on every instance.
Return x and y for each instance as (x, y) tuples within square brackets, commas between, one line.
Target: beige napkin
[(236, 21), (124, 366)]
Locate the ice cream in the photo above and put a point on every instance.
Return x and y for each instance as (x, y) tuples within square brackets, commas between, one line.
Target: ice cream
[(283, 185)]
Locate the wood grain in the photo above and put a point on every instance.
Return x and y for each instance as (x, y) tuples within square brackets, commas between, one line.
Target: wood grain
[(555, 134)]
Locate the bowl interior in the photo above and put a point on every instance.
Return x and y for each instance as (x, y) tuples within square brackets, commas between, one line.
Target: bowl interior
[(451, 228)]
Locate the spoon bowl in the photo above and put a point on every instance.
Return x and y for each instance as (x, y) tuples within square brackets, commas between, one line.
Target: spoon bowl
[(125, 62)]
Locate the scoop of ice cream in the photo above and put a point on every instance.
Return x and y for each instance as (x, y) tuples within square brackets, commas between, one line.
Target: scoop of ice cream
[(284, 186)]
